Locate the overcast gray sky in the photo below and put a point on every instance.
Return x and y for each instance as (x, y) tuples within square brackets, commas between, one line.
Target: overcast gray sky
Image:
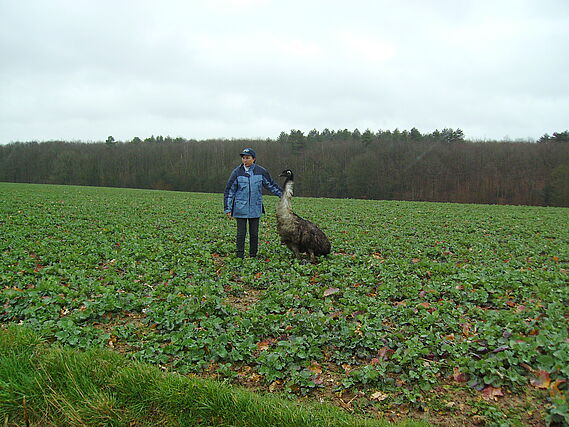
[(87, 69)]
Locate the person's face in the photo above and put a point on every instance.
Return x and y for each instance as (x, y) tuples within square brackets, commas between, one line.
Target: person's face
[(247, 160)]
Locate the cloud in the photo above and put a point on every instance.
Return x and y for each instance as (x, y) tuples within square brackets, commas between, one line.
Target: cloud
[(229, 68), (366, 48)]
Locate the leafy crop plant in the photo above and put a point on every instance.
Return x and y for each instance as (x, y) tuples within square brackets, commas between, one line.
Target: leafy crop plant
[(445, 311)]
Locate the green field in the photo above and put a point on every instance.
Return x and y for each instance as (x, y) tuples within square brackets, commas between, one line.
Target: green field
[(440, 311)]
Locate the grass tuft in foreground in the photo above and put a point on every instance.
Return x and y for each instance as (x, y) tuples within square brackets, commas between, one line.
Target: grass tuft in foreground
[(43, 385)]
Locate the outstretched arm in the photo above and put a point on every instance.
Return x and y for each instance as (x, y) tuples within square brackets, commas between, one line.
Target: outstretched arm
[(271, 185)]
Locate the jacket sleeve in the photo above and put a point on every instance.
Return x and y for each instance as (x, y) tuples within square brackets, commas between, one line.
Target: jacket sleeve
[(271, 185), (229, 193)]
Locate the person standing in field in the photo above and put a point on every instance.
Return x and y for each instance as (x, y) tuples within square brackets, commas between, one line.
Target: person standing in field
[(243, 199)]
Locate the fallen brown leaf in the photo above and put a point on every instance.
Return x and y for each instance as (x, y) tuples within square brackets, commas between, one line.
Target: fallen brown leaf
[(459, 377), (554, 388), (385, 352), (263, 345), (492, 393), (541, 380), (275, 385), (379, 396), (331, 291), (315, 368)]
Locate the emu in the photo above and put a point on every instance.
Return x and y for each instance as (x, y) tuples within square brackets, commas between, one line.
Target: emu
[(298, 234)]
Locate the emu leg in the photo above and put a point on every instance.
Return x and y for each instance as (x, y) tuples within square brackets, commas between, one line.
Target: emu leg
[(312, 257), (294, 248)]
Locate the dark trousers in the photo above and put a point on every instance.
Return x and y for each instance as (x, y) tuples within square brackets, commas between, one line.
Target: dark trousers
[(253, 236)]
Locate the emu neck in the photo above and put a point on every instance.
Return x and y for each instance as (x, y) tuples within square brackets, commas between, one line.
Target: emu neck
[(284, 206)]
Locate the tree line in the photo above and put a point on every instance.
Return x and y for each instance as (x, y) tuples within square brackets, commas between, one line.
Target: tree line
[(391, 165)]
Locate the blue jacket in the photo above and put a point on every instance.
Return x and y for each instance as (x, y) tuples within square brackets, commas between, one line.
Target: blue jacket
[(244, 191)]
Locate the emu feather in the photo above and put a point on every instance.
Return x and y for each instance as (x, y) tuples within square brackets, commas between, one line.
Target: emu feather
[(298, 234)]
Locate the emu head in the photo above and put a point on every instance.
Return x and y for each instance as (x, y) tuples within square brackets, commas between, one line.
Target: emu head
[(287, 173)]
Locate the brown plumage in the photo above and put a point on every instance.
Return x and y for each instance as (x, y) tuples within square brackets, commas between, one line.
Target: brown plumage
[(298, 234)]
